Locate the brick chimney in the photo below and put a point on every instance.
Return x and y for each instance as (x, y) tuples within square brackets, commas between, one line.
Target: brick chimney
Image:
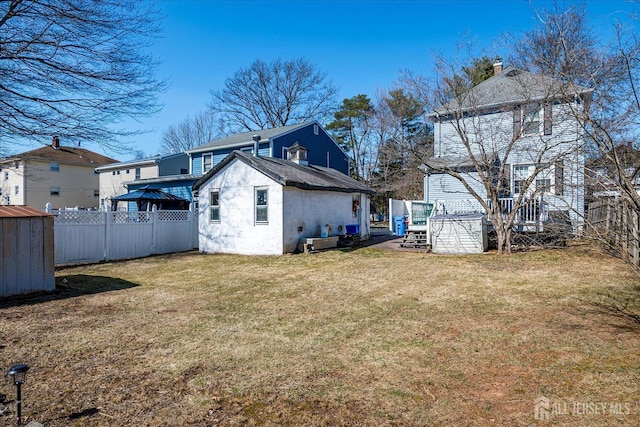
[(55, 142), (497, 67)]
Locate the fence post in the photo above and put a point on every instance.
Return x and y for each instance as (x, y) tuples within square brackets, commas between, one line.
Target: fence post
[(195, 229), (154, 224), (107, 232)]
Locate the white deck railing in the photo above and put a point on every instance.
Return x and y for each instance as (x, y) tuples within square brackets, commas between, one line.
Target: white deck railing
[(532, 212)]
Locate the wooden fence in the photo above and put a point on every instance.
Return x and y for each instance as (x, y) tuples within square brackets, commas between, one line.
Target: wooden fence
[(616, 221), (82, 237)]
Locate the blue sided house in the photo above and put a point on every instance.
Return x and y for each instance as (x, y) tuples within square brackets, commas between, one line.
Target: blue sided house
[(322, 150)]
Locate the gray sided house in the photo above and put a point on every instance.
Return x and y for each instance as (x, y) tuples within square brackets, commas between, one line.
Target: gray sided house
[(519, 120), (256, 205), (322, 149)]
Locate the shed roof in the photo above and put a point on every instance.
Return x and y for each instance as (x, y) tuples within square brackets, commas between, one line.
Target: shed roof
[(21, 212), (288, 173)]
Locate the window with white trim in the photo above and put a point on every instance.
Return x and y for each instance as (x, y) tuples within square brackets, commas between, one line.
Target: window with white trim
[(214, 205), (543, 182), (207, 162), (262, 206), (520, 175)]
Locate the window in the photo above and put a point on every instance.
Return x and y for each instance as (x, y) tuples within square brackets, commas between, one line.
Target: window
[(543, 185), (543, 182), (55, 167), (54, 191), (531, 120), (127, 171), (261, 205), (207, 162), (214, 205), (6, 176), (520, 175), (113, 172), (137, 177), (118, 173), (96, 193), (316, 130), (17, 190)]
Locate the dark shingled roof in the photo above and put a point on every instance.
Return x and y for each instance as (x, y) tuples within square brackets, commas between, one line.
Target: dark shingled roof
[(292, 174), (148, 193), (247, 137), (511, 86), (63, 154)]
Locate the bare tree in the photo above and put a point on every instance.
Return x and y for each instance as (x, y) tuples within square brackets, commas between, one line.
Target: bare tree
[(190, 133), (404, 140), (565, 47), (73, 68), (506, 143), (267, 95)]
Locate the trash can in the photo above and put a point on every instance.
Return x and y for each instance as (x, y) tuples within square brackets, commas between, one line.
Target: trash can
[(353, 228), (399, 225)]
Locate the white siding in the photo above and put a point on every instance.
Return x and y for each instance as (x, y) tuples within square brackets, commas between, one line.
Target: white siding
[(459, 234), (446, 187), (494, 132)]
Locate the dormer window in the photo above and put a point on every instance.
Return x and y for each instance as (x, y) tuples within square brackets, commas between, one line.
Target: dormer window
[(54, 166)]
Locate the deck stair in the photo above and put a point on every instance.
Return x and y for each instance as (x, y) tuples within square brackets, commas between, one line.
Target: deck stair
[(415, 239)]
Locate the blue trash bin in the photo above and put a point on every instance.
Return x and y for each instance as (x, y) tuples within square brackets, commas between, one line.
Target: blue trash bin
[(399, 225)]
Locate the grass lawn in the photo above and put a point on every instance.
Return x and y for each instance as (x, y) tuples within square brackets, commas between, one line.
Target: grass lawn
[(355, 337)]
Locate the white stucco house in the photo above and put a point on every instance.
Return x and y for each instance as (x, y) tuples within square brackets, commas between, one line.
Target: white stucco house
[(256, 205)]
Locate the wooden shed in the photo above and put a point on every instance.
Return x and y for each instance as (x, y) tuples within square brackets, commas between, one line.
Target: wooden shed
[(26, 251)]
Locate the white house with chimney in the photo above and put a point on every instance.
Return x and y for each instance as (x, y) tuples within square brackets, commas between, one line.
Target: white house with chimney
[(254, 205)]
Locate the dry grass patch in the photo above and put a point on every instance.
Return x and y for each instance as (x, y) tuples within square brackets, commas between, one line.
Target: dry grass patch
[(364, 337)]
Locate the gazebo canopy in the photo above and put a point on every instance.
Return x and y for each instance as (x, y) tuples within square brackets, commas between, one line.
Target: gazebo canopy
[(146, 197)]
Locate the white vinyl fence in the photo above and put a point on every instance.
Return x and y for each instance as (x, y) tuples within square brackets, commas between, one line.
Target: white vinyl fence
[(82, 237)]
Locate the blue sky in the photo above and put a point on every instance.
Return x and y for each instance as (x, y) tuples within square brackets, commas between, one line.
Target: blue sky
[(361, 45)]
